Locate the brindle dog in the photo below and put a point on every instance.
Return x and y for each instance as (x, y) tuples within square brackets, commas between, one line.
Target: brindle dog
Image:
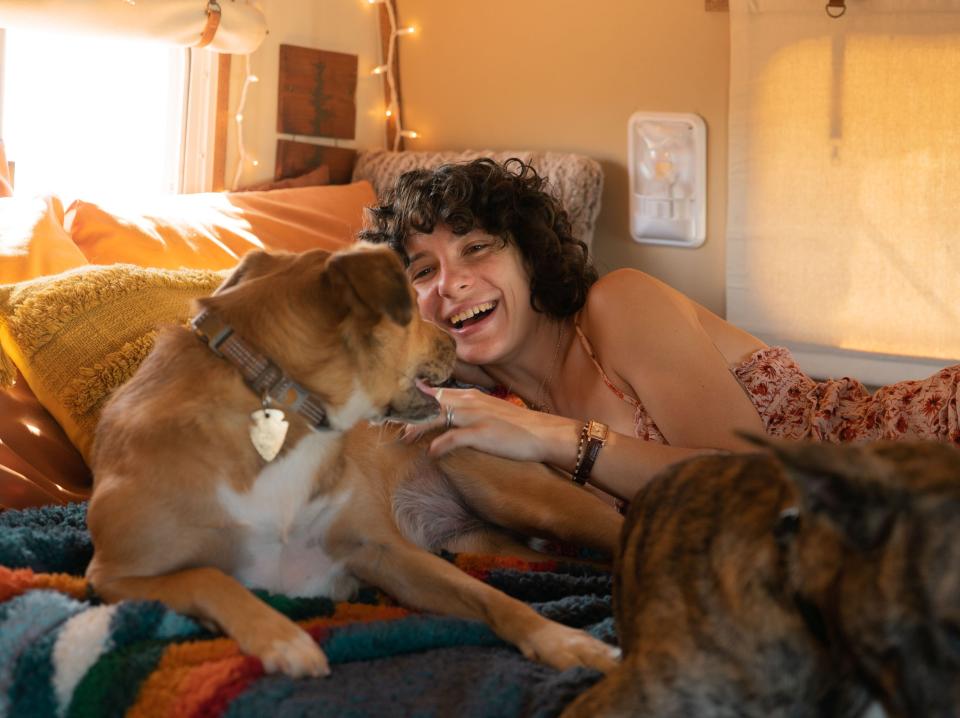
[(744, 589)]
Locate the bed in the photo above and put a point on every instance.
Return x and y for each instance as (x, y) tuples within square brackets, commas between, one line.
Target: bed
[(62, 651)]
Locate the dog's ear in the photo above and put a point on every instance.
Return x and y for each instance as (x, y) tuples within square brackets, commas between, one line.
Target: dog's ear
[(369, 283), (253, 262), (848, 484)]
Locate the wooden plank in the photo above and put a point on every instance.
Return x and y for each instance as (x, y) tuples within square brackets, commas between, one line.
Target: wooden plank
[(317, 93), (221, 124), (717, 5), (385, 32), (296, 158)]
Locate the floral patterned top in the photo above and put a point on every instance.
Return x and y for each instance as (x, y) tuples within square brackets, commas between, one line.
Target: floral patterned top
[(794, 406)]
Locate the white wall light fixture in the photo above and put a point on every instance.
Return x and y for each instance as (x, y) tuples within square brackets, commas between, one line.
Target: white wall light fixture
[(668, 178)]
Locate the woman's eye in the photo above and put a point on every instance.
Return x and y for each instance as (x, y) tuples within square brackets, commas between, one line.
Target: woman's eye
[(421, 273), (478, 247)]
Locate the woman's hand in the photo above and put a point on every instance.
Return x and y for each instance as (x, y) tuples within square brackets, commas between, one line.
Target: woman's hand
[(473, 418)]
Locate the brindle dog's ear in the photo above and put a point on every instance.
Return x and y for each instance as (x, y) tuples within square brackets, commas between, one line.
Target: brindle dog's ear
[(370, 283), (848, 484)]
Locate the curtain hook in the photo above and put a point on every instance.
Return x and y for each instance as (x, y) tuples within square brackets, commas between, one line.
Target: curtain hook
[(836, 8)]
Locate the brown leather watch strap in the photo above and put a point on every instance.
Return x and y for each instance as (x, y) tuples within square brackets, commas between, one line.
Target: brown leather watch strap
[(593, 437)]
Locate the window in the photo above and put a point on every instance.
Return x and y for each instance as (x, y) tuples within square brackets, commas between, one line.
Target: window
[(85, 116), (844, 179)]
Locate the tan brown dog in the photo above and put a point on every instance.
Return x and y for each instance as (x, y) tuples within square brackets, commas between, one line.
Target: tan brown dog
[(186, 510), (804, 587)]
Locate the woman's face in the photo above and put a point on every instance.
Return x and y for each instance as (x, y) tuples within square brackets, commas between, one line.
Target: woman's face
[(475, 287)]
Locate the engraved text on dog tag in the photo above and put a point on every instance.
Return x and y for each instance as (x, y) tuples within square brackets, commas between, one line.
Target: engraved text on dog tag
[(268, 432)]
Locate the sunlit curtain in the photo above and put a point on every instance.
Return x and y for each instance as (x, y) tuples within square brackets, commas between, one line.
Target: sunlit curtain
[(844, 189), (239, 27)]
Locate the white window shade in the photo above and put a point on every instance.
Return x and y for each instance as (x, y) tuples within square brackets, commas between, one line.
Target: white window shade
[(240, 30), (844, 218)]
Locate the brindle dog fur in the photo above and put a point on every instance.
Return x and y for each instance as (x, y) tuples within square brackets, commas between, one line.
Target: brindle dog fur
[(808, 583)]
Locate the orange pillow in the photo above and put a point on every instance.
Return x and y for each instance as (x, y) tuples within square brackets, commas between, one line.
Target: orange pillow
[(213, 230), (33, 241)]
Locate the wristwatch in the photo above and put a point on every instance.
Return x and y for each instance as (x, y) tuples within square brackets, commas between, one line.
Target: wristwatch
[(593, 437)]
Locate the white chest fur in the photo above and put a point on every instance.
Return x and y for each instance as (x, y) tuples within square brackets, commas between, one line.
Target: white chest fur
[(283, 530)]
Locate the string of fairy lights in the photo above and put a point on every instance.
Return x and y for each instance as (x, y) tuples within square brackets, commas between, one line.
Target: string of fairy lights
[(388, 68)]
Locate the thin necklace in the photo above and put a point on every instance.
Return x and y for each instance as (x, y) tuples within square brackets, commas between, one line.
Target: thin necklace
[(541, 404)]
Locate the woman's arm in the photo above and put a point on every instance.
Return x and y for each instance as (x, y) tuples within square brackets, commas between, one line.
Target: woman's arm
[(651, 343), (653, 346), (500, 427)]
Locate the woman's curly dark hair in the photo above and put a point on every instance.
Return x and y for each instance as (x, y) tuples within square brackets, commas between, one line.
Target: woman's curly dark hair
[(506, 201)]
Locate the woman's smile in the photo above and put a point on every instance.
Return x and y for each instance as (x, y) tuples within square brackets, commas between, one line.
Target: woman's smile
[(473, 318)]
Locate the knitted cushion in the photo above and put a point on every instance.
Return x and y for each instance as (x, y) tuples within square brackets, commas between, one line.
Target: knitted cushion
[(78, 335), (577, 181)]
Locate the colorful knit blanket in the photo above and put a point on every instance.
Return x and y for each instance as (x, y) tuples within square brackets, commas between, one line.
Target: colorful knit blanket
[(65, 653)]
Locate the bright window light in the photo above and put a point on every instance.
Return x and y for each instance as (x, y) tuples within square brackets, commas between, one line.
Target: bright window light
[(92, 117)]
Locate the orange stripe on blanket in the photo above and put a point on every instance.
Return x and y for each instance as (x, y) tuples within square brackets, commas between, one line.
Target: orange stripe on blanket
[(13, 582), (345, 613), (481, 564), (191, 674)]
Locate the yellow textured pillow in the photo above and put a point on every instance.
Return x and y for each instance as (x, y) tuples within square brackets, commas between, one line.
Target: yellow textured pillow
[(78, 335)]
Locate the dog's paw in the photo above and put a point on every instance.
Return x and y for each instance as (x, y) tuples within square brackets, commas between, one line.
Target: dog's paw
[(562, 647), (283, 647)]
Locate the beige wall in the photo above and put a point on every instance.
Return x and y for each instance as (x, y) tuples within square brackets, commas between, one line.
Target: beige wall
[(566, 75), (350, 26)]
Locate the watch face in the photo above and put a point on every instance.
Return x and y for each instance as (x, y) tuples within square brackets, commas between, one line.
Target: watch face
[(597, 430)]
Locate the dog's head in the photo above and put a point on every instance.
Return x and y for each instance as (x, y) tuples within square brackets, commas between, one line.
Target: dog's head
[(881, 532), (344, 326)]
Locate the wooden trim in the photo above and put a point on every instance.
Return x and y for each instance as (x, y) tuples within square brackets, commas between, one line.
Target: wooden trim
[(385, 31), (222, 123), (717, 5)]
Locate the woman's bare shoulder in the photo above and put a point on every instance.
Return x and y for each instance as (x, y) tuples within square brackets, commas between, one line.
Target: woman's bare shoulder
[(631, 302)]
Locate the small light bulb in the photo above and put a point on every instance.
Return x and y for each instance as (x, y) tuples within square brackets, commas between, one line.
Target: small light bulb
[(255, 163), (406, 31), (389, 113), (239, 117), (409, 133), (253, 78), (379, 70)]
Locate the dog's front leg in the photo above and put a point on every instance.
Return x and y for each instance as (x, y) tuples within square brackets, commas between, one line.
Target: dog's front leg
[(210, 594), (422, 580), (531, 499)]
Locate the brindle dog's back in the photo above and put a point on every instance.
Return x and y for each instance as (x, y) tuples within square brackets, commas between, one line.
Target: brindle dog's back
[(746, 590)]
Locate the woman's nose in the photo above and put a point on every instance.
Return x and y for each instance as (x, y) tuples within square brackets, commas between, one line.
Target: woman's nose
[(453, 281)]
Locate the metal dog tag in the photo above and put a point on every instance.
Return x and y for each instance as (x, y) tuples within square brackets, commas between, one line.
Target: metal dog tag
[(268, 432)]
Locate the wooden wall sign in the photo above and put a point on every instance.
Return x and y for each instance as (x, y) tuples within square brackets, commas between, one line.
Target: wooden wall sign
[(297, 158), (317, 93)]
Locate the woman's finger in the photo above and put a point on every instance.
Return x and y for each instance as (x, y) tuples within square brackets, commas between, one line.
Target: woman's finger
[(446, 442)]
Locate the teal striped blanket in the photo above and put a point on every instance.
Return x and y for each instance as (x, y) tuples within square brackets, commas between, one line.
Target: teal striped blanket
[(65, 653)]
